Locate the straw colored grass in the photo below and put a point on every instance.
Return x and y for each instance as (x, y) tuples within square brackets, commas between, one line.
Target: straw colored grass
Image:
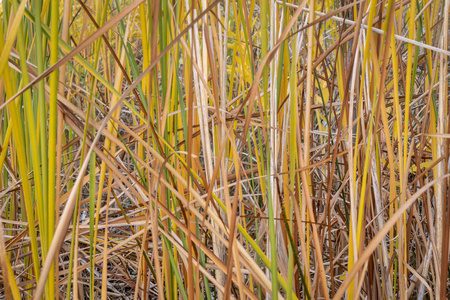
[(224, 149)]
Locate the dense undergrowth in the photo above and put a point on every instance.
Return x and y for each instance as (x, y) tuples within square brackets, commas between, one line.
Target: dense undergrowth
[(243, 149)]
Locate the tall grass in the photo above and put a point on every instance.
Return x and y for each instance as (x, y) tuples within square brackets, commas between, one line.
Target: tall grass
[(258, 149)]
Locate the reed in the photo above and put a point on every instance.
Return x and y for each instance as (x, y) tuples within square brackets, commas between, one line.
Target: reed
[(216, 149)]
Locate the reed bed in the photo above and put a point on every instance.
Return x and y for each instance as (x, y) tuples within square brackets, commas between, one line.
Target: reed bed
[(224, 149)]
